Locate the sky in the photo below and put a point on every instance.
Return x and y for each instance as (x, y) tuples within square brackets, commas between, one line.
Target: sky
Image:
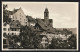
[(64, 14)]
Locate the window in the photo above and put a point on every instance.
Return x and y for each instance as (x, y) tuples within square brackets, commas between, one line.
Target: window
[(4, 34), (45, 40), (17, 25), (46, 44), (12, 33), (4, 29), (8, 33)]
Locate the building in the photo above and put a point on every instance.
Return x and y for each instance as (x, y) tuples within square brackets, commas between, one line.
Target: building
[(6, 29), (18, 14), (11, 29), (45, 26), (46, 19), (15, 28), (44, 42)]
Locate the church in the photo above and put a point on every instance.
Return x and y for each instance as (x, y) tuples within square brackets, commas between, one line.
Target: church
[(46, 19), (45, 28), (45, 24)]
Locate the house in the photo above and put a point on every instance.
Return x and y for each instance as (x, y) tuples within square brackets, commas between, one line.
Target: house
[(6, 29), (44, 42), (11, 29), (15, 28), (18, 14), (5, 43)]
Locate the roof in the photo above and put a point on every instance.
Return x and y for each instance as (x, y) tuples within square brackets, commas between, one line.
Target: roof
[(46, 10), (15, 24), (48, 28), (50, 20), (10, 12), (14, 11)]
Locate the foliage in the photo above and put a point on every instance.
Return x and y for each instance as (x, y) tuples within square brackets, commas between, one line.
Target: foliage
[(29, 38), (70, 43), (6, 14)]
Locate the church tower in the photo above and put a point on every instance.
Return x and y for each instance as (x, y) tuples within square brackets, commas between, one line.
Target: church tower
[(46, 16)]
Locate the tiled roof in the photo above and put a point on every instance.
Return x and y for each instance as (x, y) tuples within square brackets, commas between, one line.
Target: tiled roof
[(45, 27)]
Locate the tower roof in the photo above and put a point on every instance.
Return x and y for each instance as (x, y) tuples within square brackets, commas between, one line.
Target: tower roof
[(46, 9)]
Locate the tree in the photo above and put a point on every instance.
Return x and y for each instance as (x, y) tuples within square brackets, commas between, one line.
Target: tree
[(6, 14), (29, 38), (70, 43), (4, 6)]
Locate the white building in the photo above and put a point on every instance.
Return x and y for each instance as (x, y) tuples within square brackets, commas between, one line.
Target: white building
[(8, 30), (44, 42), (18, 14)]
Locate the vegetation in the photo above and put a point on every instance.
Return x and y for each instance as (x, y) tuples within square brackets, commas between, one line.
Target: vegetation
[(58, 43), (29, 38), (6, 14)]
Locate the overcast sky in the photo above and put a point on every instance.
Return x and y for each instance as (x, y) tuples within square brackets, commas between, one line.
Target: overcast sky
[(64, 14)]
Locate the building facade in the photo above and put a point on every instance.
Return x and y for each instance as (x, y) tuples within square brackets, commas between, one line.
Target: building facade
[(19, 15), (46, 19), (9, 29)]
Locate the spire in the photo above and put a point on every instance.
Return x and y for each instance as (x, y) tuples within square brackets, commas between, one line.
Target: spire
[(46, 9)]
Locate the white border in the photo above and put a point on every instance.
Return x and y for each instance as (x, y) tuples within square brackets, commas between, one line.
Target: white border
[(40, 49)]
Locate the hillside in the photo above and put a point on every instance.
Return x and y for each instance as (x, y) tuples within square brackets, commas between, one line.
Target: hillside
[(74, 30)]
